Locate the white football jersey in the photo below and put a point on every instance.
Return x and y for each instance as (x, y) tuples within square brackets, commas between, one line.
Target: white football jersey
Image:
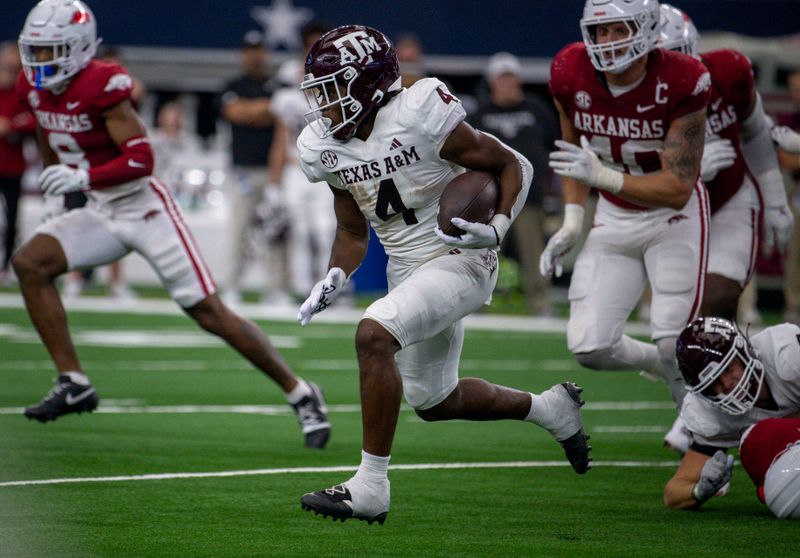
[(396, 176), (778, 349)]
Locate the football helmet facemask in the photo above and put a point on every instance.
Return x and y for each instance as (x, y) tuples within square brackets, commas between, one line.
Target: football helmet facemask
[(678, 32), (349, 72), (68, 28), (705, 349), (642, 19)]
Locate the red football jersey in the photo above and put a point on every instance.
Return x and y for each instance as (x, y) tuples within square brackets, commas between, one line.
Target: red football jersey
[(73, 120), (732, 90), (627, 132), (762, 443)]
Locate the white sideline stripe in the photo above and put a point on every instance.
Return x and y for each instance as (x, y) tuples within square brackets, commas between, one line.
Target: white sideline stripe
[(483, 322), (119, 408), (629, 429), (337, 469)]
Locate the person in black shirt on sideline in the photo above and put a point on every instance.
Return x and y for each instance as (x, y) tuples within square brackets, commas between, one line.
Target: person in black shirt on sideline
[(526, 124)]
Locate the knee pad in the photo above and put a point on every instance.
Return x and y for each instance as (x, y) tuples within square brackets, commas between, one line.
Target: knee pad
[(599, 359)]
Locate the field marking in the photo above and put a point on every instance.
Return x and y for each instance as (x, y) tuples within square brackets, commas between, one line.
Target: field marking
[(119, 407), (336, 469), (335, 315)]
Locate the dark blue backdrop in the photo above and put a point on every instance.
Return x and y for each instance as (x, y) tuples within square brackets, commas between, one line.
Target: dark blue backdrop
[(526, 27)]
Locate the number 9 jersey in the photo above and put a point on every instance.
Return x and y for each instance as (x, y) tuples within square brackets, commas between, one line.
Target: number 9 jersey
[(627, 131), (73, 121), (396, 175)]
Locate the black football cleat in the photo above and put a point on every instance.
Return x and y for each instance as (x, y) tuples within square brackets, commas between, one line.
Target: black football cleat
[(64, 398), (576, 447), (311, 414), (337, 503)]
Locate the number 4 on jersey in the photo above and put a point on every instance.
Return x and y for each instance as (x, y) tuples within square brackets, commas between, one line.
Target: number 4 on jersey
[(389, 196)]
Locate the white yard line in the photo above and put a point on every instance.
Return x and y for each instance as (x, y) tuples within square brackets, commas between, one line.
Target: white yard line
[(335, 469), (139, 408)]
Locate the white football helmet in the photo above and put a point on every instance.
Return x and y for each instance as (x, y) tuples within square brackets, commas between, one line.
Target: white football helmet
[(68, 28), (782, 484), (678, 32), (642, 19)]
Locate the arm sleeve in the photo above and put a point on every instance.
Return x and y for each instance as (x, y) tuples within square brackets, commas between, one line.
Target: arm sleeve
[(135, 161), (761, 158)]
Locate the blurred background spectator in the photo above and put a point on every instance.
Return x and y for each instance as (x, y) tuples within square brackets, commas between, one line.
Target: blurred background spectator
[(15, 123), (247, 106)]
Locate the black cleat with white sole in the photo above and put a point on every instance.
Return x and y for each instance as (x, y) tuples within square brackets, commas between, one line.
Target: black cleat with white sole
[(576, 447), (311, 414), (337, 503), (64, 398)]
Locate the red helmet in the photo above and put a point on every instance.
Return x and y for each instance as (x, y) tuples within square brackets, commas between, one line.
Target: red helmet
[(350, 68), (705, 349)]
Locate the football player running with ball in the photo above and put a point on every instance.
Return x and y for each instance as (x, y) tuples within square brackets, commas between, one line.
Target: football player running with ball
[(733, 383), (92, 140), (632, 121), (387, 153)]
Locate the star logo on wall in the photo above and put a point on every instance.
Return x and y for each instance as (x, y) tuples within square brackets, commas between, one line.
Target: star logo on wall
[(281, 22)]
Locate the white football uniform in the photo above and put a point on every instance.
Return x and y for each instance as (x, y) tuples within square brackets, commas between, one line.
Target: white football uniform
[(733, 236), (396, 177), (778, 348), (148, 222)]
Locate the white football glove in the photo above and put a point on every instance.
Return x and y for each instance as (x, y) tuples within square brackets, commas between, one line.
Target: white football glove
[(559, 245), (57, 180), (323, 294), (477, 235), (787, 139), (581, 163), (718, 154), (778, 224), (716, 473)]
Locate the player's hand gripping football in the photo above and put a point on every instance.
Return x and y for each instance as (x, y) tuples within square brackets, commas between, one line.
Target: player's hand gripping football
[(476, 235), (718, 154), (786, 138), (323, 294), (559, 245), (57, 180), (716, 473), (582, 164)]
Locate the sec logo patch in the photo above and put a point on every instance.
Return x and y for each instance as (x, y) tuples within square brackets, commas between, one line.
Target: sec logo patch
[(583, 100), (329, 159)]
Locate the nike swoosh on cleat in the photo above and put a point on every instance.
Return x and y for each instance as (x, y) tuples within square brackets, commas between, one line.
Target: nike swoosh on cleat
[(72, 400)]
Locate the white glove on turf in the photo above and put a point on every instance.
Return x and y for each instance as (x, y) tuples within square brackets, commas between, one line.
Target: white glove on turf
[(716, 473), (57, 180), (323, 294)]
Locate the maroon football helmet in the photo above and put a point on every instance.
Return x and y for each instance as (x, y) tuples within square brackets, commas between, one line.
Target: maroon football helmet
[(705, 350), (349, 70)]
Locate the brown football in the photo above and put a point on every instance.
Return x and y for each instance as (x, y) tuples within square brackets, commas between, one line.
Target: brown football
[(473, 196)]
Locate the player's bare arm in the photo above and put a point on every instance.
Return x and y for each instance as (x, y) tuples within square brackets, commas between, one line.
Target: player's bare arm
[(123, 123), (352, 233), (469, 148), (678, 491), (48, 155)]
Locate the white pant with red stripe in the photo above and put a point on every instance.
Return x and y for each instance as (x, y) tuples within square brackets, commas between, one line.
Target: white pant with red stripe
[(733, 240), (148, 222), (624, 250)]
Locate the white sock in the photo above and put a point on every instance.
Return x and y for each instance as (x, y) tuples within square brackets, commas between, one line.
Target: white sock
[(298, 392), (373, 469), (77, 378), (539, 410)]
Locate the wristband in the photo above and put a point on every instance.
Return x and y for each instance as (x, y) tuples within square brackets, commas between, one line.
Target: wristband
[(573, 216), (500, 223), (695, 496), (609, 179)]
